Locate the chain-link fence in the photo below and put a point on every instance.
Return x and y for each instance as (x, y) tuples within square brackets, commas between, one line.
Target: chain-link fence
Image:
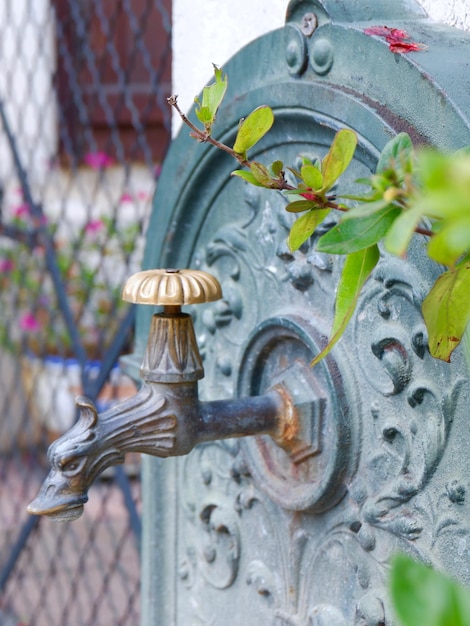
[(85, 124)]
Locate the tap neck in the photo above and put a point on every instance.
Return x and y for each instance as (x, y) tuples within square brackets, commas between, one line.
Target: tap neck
[(172, 354)]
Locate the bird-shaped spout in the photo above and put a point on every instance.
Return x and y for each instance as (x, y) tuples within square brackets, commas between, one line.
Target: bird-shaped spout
[(165, 418)]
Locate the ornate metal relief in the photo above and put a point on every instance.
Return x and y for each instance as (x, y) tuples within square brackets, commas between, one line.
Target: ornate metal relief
[(263, 536), (306, 540)]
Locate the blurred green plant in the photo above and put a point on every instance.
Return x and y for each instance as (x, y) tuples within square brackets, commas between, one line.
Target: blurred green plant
[(423, 597), (412, 192), (92, 265)]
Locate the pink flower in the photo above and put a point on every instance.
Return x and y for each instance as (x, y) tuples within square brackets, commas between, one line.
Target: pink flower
[(94, 226), (143, 195), (29, 323), (98, 160), (386, 31), (126, 197), (22, 210), (396, 39), (6, 265), (309, 195)]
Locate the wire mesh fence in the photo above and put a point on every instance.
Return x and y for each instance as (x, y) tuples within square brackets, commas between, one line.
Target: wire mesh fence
[(85, 125)]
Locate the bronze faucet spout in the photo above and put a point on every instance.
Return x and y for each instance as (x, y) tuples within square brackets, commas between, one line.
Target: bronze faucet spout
[(162, 419), (165, 418)]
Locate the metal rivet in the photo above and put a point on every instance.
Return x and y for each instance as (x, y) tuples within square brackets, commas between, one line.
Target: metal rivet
[(322, 55), (296, 50), (309, 24)]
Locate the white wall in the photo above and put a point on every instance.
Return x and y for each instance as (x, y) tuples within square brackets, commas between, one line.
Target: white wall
[(202, 36), (453, 12), (203, 33), (27, 61)]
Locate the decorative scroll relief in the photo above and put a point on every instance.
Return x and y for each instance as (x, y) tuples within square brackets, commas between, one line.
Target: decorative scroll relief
[(286, 568), (412, 431), (250, 257), (330, 567)]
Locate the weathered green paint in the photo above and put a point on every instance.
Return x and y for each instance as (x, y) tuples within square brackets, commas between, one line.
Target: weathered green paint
[(222, 544)]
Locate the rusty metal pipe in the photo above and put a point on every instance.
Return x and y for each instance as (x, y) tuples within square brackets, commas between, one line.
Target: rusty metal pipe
[(162, 419), (222, 419)]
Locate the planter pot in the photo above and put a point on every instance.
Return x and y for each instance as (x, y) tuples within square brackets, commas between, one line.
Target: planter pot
[(51, 385), (17, 431)]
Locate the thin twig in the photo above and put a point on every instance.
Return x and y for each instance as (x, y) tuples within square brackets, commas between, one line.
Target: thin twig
[(276, 183), (204, 136), (423, 231)]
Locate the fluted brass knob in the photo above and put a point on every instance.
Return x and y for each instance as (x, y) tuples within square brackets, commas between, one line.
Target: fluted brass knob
[(172, 354), (171, 287)]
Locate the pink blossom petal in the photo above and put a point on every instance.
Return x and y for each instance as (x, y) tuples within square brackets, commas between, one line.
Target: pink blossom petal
[(94, 226), (405, 47), (21, 210), (6, 265), (396, 39), (386, 31), (29, 323), (98, 160), (143, 195), (126, 197)]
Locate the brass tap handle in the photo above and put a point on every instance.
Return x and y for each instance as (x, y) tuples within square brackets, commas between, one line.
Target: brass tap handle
[(171, 287), (172, 354)]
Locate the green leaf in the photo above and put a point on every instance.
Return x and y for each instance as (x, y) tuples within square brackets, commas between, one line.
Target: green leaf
[(451, 242), (339, 157), (253, 128), (261, 174), (312, 177), (465, 152), (436, 169), (277, 168), (364, 181), (444, 203), (365, 209), (212, 96), (204, 115), (402, 230), (247, 176), (299, 206), (299, 191), (296, 173), (424, 597), (396, 154), (355, 234), (357, 269), (304, 227), (446, 310)]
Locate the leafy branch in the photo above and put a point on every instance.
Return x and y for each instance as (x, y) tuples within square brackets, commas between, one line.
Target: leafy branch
[(422, 595), (425, 193)]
